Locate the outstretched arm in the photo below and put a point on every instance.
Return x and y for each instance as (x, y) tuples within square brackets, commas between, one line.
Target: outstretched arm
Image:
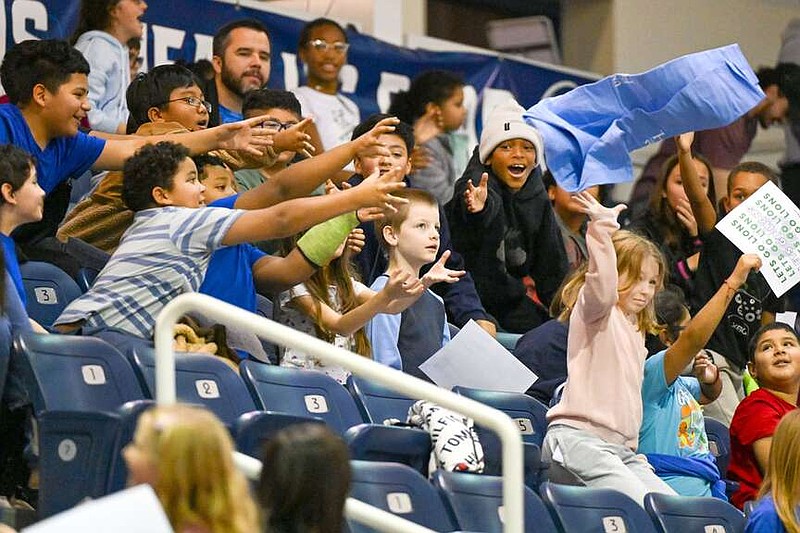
[(302, 178), (696, 335), (704, 213)]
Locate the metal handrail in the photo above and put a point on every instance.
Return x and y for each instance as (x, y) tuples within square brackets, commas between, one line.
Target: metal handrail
[(502, 424)]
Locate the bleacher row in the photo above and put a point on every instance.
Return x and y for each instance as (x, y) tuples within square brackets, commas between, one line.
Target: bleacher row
[(88, 392)]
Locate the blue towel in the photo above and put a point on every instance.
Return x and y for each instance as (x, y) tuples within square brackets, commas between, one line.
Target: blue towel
[(590, 131), (699, 467)]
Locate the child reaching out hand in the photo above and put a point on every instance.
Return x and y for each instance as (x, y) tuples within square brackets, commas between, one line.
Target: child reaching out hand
[(593, 431)]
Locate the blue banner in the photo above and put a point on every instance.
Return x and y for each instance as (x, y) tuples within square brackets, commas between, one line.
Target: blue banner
[(183, 29)]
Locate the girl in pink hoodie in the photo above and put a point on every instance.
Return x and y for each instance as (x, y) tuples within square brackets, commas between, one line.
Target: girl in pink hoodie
[(593, 431)]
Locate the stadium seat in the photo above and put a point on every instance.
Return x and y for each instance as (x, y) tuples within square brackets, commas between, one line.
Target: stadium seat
[(719, 443), (400, 490), (682, 513), (71, 373), (252, 429), (378, 403), (374, 442), (591, 510), (477, 503), (75, 455), (300, 392), (128, 418), (85, 277), (508, 340), (48, 290)]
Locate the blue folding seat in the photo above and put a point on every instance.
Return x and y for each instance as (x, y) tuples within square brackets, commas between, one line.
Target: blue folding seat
[(374, 442), (300, 392), (378, 403), (592, 510), (85, 278), (71, 373), (477, 503), (719, 443), (528, 413), (129, 415), (48, 290), (252, 429), (75, 456), (508, 340), (682, 513), (400, 490)]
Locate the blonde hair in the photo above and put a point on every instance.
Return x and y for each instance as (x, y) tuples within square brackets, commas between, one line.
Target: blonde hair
[(631, 250), (198, 483), (782, 480)]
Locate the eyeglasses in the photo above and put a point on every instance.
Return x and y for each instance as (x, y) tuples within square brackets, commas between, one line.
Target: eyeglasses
[(192, 101), (321, 45), (277, 125)]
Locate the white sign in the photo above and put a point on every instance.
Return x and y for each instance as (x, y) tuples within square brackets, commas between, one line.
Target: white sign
[(768, 224), (474, 359)]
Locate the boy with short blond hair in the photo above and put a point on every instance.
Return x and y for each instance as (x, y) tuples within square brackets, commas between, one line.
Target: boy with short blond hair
[(411, 238)]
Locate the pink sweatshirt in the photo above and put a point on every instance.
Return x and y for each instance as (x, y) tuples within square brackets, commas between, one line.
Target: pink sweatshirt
[(605, 353)]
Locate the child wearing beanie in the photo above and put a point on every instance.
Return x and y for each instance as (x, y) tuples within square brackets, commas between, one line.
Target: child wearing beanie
[(503, 224)]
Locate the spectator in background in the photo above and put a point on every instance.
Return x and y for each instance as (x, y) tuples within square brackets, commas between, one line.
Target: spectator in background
[(134, 49), (104, 29), (323, 50), (304, 481), (571, 219), (242, 60), (434, 105)]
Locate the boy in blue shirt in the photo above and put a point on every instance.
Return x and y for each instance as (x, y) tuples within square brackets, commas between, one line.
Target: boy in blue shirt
[(411, 237)]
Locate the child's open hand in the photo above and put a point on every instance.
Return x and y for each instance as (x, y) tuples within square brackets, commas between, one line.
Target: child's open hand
[(595, 210), (704, 369), (684, 142), (376, 189), (295, 139), (369, 144), (246, 136), (402, 289), (475, 197), (683, 211), (742, 269), (440, 273)]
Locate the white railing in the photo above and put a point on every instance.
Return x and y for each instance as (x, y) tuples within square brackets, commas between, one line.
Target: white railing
[(413, 387)]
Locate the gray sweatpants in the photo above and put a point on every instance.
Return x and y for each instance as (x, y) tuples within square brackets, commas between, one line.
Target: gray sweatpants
[(597, 463)]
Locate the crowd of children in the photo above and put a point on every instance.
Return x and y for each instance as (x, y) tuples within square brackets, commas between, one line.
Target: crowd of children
[(376, 235)]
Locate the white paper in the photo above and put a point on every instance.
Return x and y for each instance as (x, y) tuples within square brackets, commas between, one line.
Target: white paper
[(473, 358), (768, 224), (789, 318), (134, 510)]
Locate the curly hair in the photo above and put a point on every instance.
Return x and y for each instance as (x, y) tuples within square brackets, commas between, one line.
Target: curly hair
[(154, 165)]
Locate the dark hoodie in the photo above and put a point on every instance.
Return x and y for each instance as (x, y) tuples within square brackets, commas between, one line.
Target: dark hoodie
[(514, 236)]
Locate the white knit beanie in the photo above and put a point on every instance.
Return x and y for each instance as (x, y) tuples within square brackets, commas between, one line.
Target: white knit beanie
[(505, 122)]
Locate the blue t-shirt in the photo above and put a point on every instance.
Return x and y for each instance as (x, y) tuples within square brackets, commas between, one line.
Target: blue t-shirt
[(12, 266), (62, 158), (764, 518), (226, 115), (672, 422), (229, 276)]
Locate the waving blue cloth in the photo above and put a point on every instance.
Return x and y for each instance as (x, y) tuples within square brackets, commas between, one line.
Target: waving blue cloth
[(700, 467), (590, 131)]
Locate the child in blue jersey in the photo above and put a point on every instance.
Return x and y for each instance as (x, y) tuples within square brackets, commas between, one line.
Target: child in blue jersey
[(673, 432), (411, 237), (166, 250)]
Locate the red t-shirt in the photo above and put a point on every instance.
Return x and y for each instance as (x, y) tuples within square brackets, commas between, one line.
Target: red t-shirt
[(755, 418)]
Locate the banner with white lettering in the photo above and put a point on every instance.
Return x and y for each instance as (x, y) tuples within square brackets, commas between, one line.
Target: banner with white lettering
[(768, 224), (183, 29)]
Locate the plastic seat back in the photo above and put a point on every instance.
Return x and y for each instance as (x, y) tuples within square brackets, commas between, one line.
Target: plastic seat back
[(72, 373), (477, 502), (128, 418), (378, 403), (300, 392), (48, 290), (374, 442), (400, 490), (252, 430), (527, 412), (682, 513), (719, 443), (592, 510), (85, 278)]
